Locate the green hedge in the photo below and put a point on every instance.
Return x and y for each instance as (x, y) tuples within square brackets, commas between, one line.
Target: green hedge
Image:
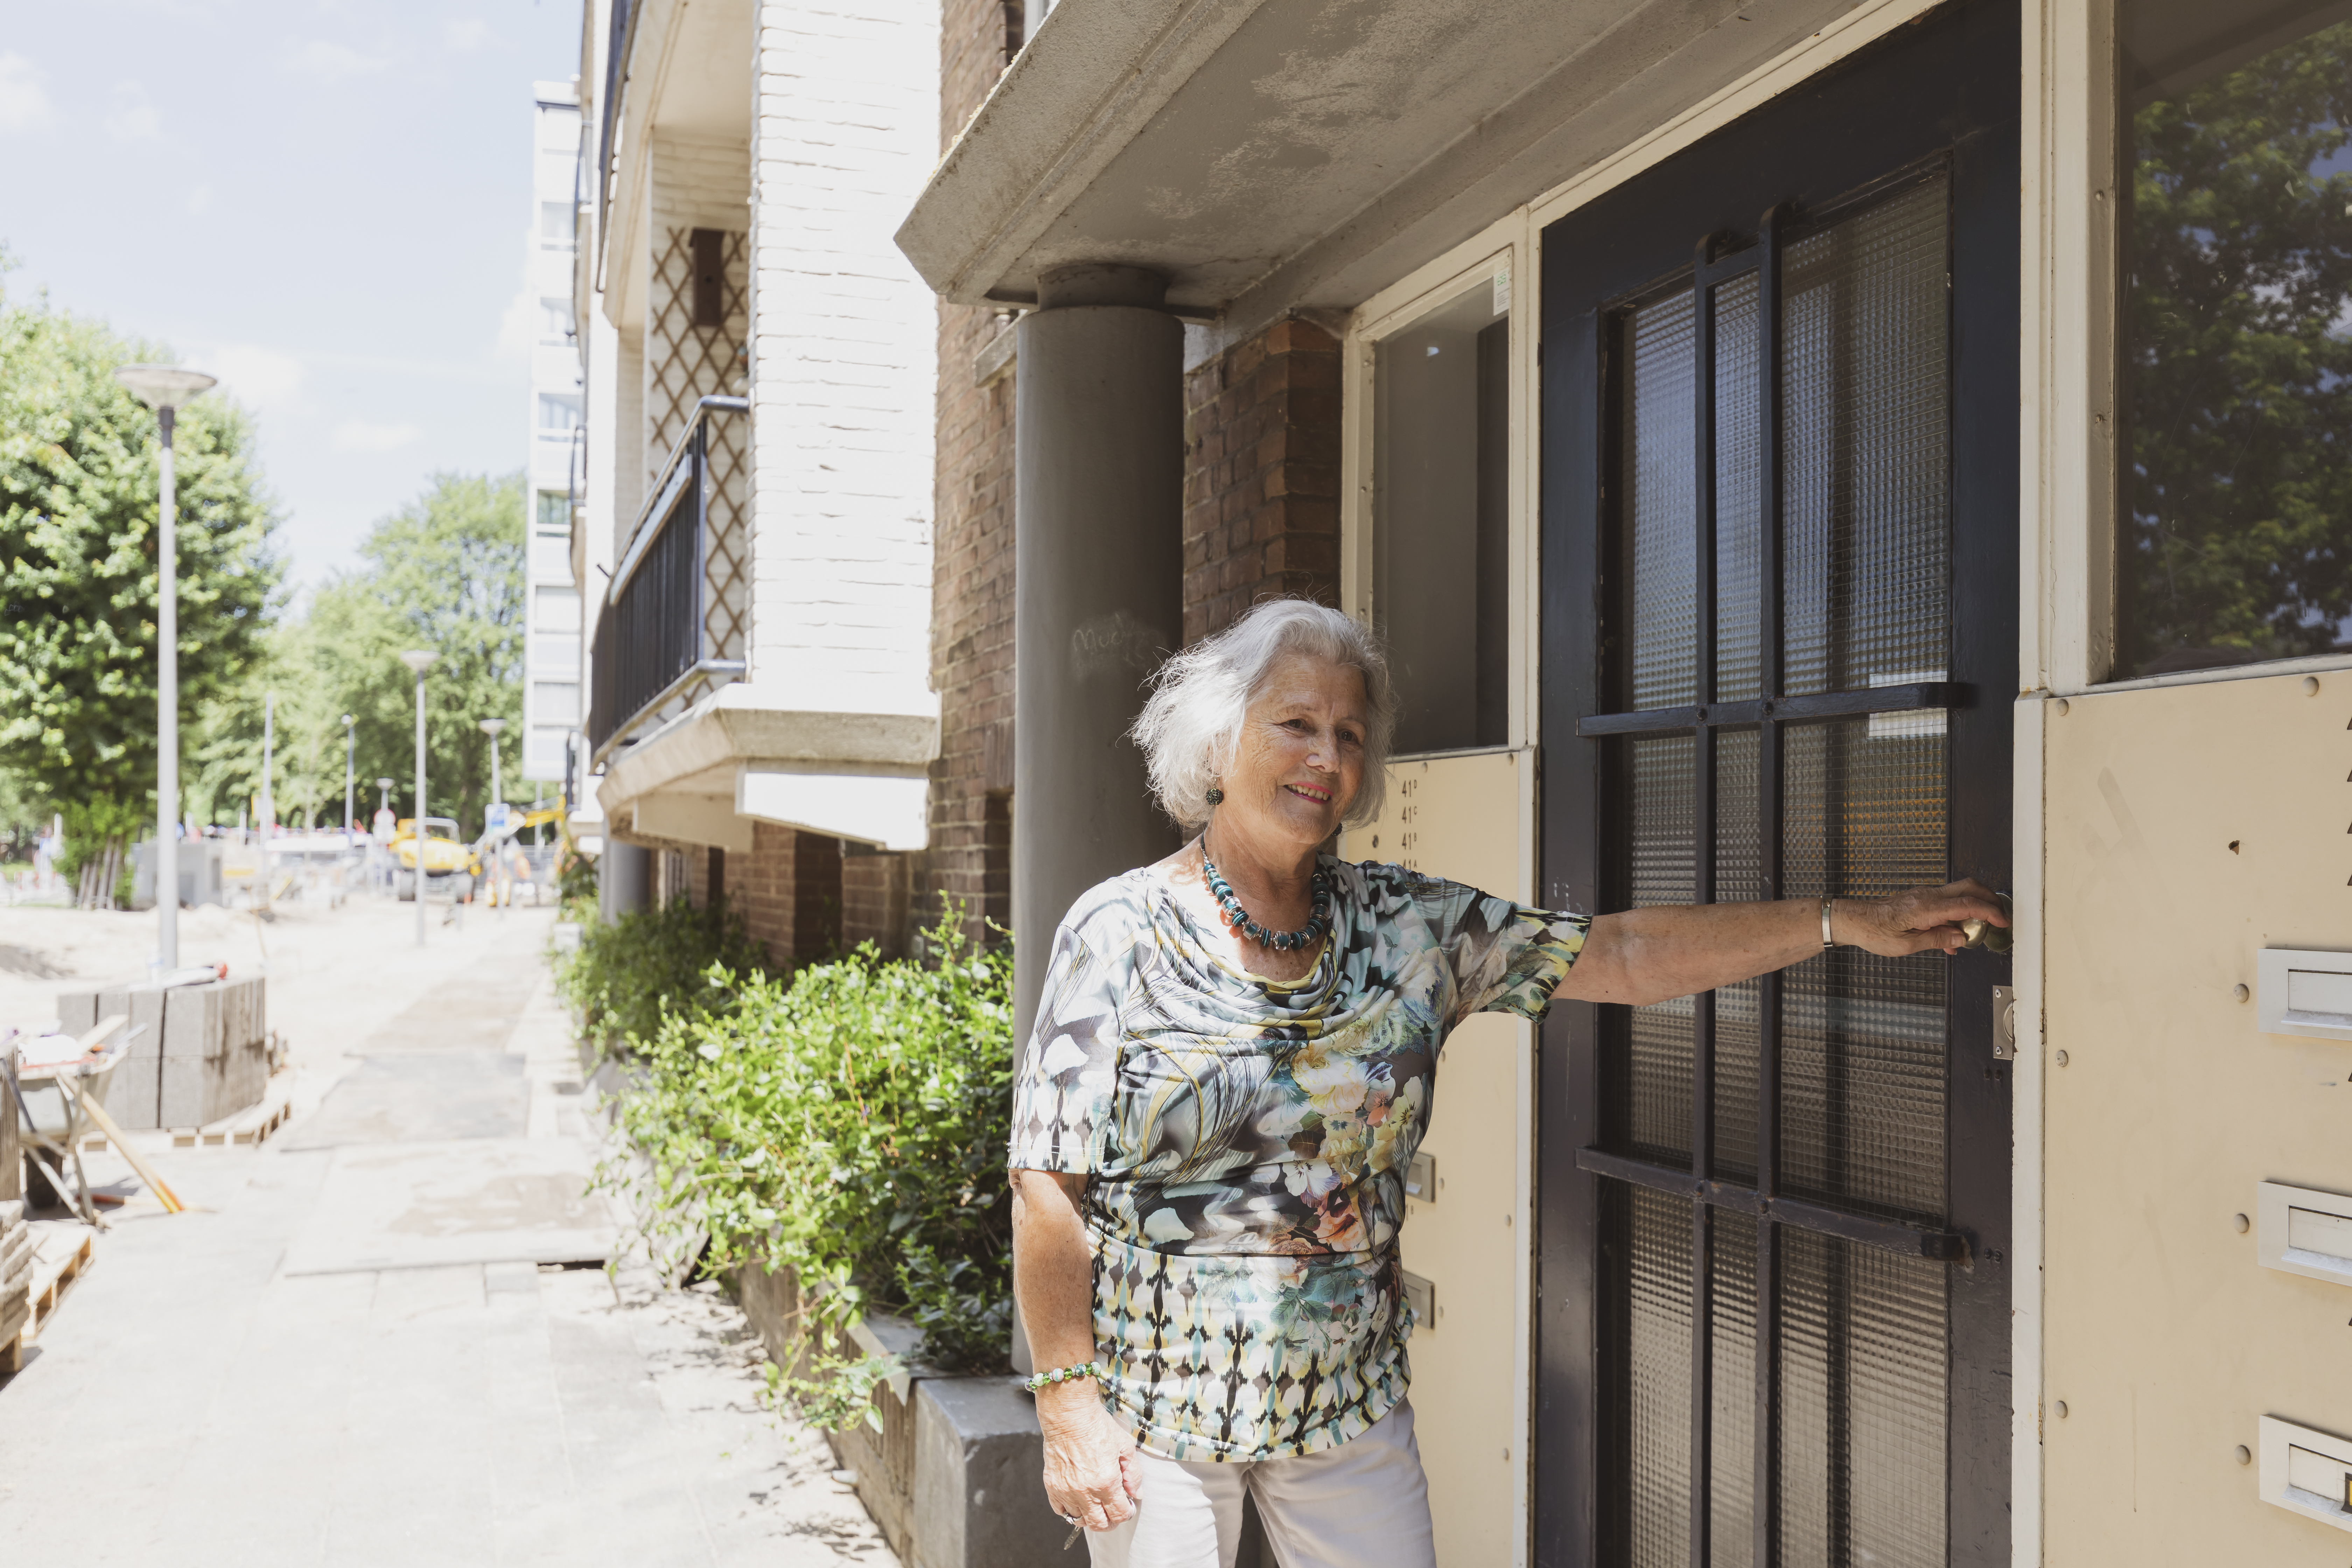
[(627, 978), (847, 1122)]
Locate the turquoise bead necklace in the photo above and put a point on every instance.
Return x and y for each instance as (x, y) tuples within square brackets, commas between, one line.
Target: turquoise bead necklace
[(1237, 919)]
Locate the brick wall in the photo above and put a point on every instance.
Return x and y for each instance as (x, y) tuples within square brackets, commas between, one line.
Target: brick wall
[(969, 857), (788, 890), (1261, 476)]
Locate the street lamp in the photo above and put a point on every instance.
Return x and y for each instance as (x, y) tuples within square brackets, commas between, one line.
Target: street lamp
[(491, 727), (384, 802), (163, 387), (350, 783), (420, 661)]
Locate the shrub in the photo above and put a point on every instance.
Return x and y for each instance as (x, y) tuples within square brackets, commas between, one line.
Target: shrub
[(848, 1123), (627, 978)]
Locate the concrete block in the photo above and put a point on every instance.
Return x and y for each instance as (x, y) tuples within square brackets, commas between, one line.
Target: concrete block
[(191, 1021), (77, 1010), (181, 1088), (979, 1500), (131, 1094)]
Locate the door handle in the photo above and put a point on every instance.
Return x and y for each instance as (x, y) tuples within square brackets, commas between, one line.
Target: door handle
[(1989, 936)]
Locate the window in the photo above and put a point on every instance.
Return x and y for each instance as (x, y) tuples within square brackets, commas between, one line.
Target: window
[(554, 510), (558, 411), (558, 222), (550, 557), (555, 321), (555, 609), (1442, 520), (555, 702), (2234, 544)]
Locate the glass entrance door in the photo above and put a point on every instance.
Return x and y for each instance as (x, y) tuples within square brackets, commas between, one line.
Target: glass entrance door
[(1779, 646)]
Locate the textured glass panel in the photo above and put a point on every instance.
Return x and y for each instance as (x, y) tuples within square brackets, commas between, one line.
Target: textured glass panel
[(1862, 1086), (2236, 539), (1658, 1067), (1658, 1366), (1865, 447), (1737, 880), (1732, 1430), (1659, 516), (1863, 1375), (1441, 559), (1738, 556)]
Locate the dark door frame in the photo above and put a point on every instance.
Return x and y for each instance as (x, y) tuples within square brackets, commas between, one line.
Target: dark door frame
[(1946, 86)]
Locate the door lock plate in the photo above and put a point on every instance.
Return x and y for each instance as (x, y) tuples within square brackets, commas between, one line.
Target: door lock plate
[(2004, 1023)]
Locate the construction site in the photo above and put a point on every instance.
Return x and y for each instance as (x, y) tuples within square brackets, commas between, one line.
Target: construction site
[(300, 1260)]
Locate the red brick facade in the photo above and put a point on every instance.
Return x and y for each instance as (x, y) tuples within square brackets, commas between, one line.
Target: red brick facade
[(1261, 476), (971, 853)]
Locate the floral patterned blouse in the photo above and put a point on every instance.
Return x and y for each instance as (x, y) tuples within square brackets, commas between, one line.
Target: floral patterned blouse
[(1247, 1140)]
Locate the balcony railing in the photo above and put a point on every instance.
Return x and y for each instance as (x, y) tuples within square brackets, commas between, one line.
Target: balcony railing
[(654, 640)]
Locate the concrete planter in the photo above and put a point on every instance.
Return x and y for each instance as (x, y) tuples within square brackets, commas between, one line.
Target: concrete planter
[(952, 1476)]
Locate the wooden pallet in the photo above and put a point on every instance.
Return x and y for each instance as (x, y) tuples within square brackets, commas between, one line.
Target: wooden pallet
[(251, 1126), (56, 1269)]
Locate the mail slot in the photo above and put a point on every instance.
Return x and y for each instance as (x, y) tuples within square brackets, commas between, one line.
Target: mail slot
[(2302, 1230), (2307, 1471), (2304, 992)]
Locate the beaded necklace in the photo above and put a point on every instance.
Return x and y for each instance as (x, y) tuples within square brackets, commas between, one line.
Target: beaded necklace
[(1237, 919)]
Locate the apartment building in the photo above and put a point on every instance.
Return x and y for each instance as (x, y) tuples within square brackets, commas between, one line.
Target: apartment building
[(754, 541), (550, 703), (1796, 446)]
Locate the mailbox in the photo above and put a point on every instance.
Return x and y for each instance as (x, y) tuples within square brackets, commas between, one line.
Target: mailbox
[(2304, 993)]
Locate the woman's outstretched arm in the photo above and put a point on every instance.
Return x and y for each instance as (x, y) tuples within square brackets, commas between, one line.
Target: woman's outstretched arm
[(1679, 950)]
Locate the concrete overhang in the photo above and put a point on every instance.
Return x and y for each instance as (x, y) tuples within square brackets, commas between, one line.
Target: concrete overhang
[(1273, 155), (688, 74), (738, 756)]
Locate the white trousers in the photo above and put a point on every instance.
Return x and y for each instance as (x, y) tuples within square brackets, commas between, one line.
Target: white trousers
[(1363, 1504)]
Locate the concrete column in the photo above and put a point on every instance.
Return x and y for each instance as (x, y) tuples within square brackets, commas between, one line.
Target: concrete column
[(1097, 524), (1098, 473), (625, 874)]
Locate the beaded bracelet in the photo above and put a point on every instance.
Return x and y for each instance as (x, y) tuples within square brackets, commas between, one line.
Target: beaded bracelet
[(1065, 1374)]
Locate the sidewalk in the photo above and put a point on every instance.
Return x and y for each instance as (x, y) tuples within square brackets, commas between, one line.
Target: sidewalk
[(387, 1337)]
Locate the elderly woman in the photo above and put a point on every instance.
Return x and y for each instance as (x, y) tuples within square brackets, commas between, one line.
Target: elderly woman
[(1235, 1056)]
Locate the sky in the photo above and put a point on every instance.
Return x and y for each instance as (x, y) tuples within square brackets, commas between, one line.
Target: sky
[(327, 204)]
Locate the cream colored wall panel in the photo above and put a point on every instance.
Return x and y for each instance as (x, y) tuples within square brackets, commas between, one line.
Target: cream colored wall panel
[(2189, 828), (1464, 817)]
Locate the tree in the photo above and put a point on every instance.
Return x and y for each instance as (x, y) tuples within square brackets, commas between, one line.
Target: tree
[(2239, 540), (443, 574), (79, 513)]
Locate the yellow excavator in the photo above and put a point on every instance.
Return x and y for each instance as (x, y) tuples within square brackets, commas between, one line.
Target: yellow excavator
[(446, 855)]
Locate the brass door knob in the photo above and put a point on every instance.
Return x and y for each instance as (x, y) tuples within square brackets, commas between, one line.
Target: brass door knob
[(1987, 935)]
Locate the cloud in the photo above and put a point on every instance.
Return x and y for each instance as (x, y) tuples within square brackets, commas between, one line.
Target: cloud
[(22, 102), (466, 34), (330, 61), (360, 436), (200, 197), (266, 380), (133, 117)]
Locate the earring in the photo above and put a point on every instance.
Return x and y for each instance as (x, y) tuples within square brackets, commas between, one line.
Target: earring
[(1216, 797)]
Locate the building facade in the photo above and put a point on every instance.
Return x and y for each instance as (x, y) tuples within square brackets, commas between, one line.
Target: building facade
[(754, 540), (1792, 448), (552, 632)]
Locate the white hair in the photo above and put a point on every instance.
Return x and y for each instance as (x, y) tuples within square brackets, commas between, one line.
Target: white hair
[(1192, 725)]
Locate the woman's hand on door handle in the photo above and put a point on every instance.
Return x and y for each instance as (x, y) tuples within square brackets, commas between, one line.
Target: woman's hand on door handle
[(1916, 920)]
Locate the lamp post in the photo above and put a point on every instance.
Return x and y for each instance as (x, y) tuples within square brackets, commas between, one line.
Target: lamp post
[(269, 812), (163, 388), (420, 661), (350, 783), (491, 727), (383, 803)]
